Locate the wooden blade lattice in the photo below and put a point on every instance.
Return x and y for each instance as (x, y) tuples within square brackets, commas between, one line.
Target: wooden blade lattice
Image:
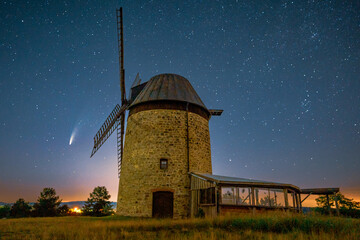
[(120, 141), (120, 129), (109, 126), (117, 116), (120, 37)]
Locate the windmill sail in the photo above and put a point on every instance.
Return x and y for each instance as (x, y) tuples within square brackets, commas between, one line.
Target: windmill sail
[(120, 37), (120, 141), (121, 120), (109, 126), (116, 119)]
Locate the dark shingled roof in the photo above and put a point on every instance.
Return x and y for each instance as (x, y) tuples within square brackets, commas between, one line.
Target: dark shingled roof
[(168, 87)]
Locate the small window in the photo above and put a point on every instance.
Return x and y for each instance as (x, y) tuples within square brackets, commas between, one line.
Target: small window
[(163, 163), (207, 196)]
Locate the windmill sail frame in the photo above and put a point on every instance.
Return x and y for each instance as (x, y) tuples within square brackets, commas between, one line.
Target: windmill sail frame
[(108, 127), (116, 119)]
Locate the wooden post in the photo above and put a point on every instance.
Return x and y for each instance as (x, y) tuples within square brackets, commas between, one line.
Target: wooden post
[(237, 196), (337, 205), (297, 202), (216, 199), (286, 199), (294, 200), (256, 197), (192, 204), (253, 199), (328, 204)]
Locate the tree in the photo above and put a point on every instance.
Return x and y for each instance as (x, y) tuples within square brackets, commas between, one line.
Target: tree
[(63, 210), (4, 211), (20, 209), (47, 203), (347, 206), (87, 209), (97, 204)]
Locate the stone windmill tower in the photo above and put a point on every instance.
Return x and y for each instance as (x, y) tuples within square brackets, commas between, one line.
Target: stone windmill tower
[(167, 136)]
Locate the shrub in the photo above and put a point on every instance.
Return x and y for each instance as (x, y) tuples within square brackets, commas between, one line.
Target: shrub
[(4, 211), (20, 209), (63, 210), (200, 213)]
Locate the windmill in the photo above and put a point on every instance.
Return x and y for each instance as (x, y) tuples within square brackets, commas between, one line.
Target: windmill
[(167, 137), (116, 119)]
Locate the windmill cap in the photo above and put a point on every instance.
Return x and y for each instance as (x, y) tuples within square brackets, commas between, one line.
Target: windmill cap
[(168, 87)]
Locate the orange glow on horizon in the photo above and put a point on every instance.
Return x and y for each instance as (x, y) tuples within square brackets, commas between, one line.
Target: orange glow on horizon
[(75, 210)]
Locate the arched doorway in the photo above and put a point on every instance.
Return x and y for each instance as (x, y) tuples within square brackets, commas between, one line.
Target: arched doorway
[(163, 203)]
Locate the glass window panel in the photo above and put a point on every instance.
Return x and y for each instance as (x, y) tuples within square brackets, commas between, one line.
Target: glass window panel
[(291, 198), (277, 198), (243, 196), (228, 195), (262, 197)]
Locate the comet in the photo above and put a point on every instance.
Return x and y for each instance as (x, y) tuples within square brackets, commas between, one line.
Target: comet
[(72, 137)]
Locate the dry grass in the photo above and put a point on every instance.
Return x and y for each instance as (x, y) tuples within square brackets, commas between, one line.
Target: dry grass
[(247, 226)]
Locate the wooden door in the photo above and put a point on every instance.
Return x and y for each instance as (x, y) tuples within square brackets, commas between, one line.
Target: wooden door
[(163, 203)]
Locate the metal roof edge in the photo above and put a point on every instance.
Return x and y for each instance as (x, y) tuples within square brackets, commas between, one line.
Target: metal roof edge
[(320, 191), (257, 182)]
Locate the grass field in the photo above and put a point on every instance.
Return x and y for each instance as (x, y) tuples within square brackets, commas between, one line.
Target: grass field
[(264, 226)]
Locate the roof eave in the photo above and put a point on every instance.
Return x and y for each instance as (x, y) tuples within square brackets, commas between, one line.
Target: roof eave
[(250, 183)]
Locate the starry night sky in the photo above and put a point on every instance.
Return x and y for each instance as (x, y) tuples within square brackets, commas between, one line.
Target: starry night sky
[(286, 73)]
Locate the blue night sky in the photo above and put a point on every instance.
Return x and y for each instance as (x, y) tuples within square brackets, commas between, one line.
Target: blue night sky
[(286, 73)]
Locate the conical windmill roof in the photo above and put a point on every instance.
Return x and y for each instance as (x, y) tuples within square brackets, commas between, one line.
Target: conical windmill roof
[(168, 87)]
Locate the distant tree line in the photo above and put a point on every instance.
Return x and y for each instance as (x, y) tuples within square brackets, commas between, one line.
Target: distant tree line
[(347, 207), (49, 205)]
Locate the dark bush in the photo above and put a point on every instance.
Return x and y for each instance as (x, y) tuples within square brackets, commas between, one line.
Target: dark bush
[(200, 213), (5, 211), (63, 210), (20, 209)]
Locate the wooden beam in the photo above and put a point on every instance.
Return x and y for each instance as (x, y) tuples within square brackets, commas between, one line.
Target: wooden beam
[(306, 197), (286, 198)]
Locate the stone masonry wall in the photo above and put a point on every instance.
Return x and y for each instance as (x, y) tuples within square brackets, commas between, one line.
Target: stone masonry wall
[(154, 134)]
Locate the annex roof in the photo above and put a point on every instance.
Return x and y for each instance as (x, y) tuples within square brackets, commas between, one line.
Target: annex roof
[(225, 180), (168, 87), (320, 191)]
